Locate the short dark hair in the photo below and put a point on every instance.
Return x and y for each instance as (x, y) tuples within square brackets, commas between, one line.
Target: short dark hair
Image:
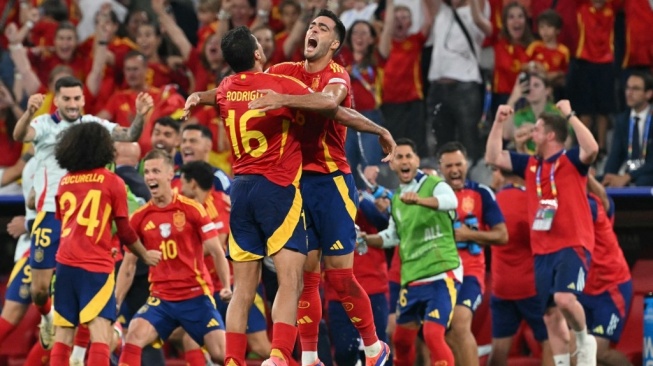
[(404, 141), (452, 146), (550, 17), (206, 133), (556, 123), (66, 25), (200, 171), (67, 82), (340, 29), (238, 47), (55, 9), (84, 146), (134, 54), (291, 3), (168, 121), (646, 77), (155, 154)]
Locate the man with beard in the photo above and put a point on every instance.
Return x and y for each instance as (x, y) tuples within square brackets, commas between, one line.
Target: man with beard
[(329, 190), (44, 131), (479, 223), (166, 137)]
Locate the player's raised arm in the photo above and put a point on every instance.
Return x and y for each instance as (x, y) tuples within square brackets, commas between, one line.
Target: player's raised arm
[(353, 119), (199, 98), (494, 153), (323, 103), (23, 131)]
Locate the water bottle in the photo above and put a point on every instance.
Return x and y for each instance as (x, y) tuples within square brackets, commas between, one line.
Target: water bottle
[(361, 244), (472, 222), (647, 353), (459, 244)]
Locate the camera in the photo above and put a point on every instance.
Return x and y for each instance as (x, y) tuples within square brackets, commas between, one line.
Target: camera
[(525, 82)]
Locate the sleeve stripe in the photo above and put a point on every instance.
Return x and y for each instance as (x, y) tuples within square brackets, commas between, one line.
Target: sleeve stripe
[(337, 81)]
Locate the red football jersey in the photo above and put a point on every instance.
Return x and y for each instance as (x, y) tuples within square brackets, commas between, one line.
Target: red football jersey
[(10, 149), (178, 231), (394, 273), (556, 59), (508, 60), (366, 82), (596, 34), (639, 38), (572, 223), (608, 266), (323, 141), (46, 61), (513, 276), (265, 143), (86, 203), (402, 73)]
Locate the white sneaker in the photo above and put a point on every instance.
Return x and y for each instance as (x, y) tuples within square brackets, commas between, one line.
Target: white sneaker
[(46, 332), (586, 354)]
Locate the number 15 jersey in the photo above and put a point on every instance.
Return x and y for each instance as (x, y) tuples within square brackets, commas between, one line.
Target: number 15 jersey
[(262, 143), (178, 230)]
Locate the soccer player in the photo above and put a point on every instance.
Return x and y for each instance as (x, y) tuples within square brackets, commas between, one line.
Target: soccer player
[(555, 187), (196, 180), (90, 198), (480, 223), (514, 297), (43, 131), (329, 190), (180, 286), (423, 209), (257, 151), (196, 143), (609, 290)]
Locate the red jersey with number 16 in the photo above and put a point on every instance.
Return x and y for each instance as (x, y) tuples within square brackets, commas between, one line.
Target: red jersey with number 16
[(323, 140), (86, 203), (178, 231), (264, 143)]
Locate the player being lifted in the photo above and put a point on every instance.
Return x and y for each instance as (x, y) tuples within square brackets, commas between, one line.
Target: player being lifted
[(90, 198), (329, 190), (266, 215)]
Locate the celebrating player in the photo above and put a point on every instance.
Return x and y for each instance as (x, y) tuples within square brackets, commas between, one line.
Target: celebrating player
[(90, 198), (44, 131), (329, 190), (180, 286)]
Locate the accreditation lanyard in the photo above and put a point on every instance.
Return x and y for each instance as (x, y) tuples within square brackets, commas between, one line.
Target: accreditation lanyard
[(538, 179), (647, 127)]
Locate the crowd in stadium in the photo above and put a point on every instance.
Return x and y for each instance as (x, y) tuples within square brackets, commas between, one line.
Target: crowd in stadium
[(319, 182)]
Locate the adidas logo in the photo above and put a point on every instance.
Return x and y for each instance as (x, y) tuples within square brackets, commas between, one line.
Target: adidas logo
[(435, 314), (572, 286), (598, 330), (149, 226), (213, 323), (468, 303), (305, 320), (355, 320), (231, 363), (337, 246)]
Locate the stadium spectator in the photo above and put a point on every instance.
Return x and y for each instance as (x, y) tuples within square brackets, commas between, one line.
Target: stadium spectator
[(555, 186), (628, 161), (479, 223), (510, 56), (591, 74), (285, 50), (402, 97), (454, 102), (11, 163), (549, 55), (354, 10), (265, 36), (537, 95)]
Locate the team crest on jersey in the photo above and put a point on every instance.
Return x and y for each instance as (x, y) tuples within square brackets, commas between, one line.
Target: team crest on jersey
[(39, 255), (468, 204), (165, 230), (179, 219), (316, 83)]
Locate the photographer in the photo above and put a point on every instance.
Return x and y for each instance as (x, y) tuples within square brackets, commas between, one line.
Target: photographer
[(535, 91)]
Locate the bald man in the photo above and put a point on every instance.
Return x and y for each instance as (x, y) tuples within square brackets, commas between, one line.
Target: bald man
[(127, 159)]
